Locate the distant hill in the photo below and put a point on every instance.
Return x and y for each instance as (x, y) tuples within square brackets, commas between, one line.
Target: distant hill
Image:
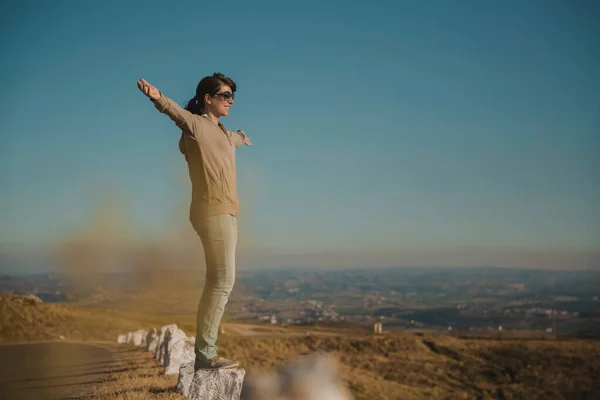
[(28, 318)]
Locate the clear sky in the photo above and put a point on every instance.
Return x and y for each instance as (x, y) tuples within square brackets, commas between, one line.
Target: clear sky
[(377, 127)]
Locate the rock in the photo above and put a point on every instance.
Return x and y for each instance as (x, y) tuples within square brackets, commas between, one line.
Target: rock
[(152, 340), (122, 339), (186, 369), (186, 375), (129, 339), (210, 385), (161, 348), (181, 353), (314, 377), (174, 354), (139, 338)]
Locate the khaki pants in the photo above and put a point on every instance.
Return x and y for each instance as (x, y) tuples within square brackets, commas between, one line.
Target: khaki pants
[(219, 239)]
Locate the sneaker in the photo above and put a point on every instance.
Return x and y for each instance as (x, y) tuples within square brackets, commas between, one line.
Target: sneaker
[(215, 363)]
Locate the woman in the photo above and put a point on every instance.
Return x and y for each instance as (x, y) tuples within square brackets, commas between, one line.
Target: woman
[(209, 150)]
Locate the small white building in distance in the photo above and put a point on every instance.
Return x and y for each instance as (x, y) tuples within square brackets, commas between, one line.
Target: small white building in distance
[(377, 327)]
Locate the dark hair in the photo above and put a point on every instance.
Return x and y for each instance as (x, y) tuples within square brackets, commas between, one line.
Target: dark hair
[(208, 85)]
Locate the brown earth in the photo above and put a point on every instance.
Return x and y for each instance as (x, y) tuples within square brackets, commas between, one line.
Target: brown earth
[(389, 366)]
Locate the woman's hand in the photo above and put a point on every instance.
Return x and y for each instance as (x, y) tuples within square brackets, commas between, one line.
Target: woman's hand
[(148, 89), (246, 140)]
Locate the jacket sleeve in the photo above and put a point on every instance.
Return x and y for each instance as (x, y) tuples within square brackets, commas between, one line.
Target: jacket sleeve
[(237, 138), (181, 117), (182, 148)]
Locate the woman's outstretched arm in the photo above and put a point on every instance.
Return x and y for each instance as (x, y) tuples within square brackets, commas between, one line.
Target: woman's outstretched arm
[(181, 117), (239, 138)]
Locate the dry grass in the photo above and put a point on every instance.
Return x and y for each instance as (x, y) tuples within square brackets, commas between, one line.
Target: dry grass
[(417, 367), (398, 367), (391, 366), (25, 319)]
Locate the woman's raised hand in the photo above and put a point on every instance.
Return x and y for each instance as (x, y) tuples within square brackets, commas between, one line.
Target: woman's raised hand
[(148, 89), (246, 140)]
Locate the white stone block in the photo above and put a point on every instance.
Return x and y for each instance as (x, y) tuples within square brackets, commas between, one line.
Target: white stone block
[(152, 340), (186, 375), (129, 339), (174, 355), (139, 337), (122, 339), (218, 384), (160, 351)]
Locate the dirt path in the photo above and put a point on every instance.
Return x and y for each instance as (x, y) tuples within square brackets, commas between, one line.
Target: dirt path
[(53, 370)]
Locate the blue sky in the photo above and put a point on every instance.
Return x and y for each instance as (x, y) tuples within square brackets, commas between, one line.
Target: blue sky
[(376, 126)]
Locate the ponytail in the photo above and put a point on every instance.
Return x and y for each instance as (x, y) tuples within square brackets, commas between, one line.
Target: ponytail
[(195, 106)]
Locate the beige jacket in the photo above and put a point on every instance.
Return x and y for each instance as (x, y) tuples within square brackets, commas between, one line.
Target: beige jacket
[(209, 150)]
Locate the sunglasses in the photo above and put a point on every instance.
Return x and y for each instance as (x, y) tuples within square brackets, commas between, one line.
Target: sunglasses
[(226, 95)]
